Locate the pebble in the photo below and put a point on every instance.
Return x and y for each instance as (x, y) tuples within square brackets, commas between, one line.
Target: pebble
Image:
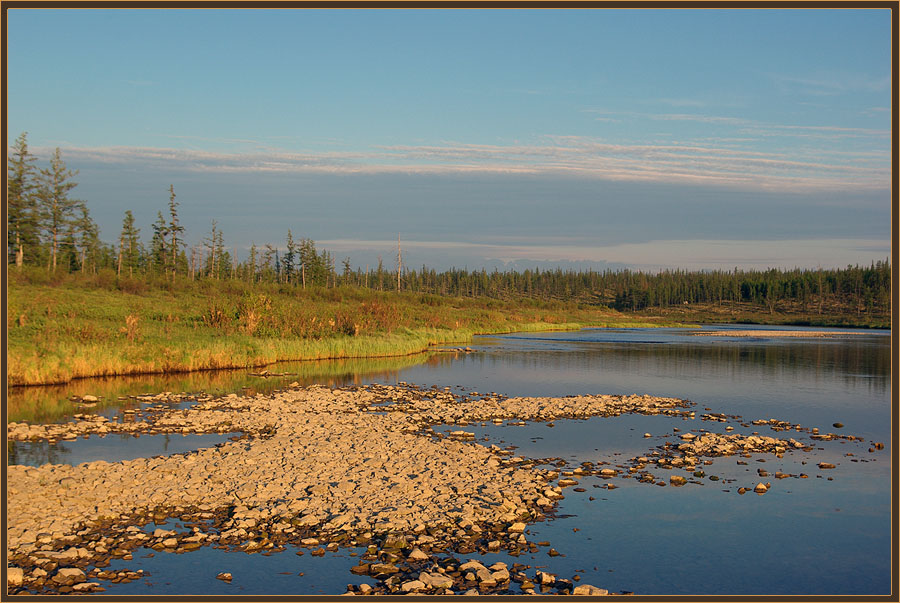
[(338, 470)]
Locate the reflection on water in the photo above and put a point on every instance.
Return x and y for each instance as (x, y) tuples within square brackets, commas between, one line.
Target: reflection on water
[(805, 536), (110, 448), (52, 403)]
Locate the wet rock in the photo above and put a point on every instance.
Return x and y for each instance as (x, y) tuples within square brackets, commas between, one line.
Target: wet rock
[(826, 465), (589, 590), (69, 576), (381, 569), (395, 541), (224, 576), (760, 488), (677, 480)]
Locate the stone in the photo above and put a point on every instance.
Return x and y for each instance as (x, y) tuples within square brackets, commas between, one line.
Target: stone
[(395, 541), (435, 580), (417, 555), (485, 575), (69, 575), (589, 590), (516, 528), (380, 569), (89, 398), (224, 576), (412, 585), (14, 576), (501, 575), (471, 566), (760, 488), (677, 480), (826, 466)]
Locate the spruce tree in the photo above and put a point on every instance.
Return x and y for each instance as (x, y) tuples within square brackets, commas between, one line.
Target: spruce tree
[(175, 230), (88, 237), (21, 203), (129, 244), (56, 208), (158, 249), (290, 258)]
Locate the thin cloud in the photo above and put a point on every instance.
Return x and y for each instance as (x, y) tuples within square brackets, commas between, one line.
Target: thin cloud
[(588, 157), (653, 255), (827, 84)]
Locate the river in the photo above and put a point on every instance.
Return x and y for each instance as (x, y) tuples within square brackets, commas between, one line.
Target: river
[(825, 534)]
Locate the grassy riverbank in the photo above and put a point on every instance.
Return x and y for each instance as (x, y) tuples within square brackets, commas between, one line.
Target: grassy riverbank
[(76, 326), (832, 315)]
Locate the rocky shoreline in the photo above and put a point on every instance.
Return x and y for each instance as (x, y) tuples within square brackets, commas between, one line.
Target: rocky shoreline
[(323, 469), (774, 333)]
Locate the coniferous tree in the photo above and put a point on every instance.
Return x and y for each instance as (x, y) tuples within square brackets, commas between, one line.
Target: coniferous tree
[(129, 245), (212, 245), (88, 238), (22, 219), (175, 230), (57, 209), (251, 264), (158, 246), (290, 258)]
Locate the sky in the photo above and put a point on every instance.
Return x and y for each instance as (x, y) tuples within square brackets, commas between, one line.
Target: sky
[(599, 138)]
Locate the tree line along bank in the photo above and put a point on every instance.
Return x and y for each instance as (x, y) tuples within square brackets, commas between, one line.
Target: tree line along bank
[(48, 228)]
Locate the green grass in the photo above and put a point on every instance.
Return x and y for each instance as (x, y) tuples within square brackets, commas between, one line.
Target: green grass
[(784, 314), (68, 327), (52, 402)]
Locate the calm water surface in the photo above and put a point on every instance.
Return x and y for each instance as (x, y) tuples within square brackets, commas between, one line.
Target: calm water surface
[(805, 536)]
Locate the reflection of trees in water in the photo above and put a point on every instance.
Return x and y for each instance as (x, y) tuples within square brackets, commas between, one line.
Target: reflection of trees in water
[(853, 362), (50, 403), (35, 453)]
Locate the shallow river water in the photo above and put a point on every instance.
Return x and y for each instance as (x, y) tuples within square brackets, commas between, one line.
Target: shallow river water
[(828, 534)]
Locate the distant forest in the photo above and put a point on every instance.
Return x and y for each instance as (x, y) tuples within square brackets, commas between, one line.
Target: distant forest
[(48, 228)]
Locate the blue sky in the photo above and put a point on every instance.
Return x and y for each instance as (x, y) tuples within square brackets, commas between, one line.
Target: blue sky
[(646, 138)]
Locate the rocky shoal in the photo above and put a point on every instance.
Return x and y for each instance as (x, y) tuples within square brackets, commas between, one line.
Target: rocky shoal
[(320, 468)]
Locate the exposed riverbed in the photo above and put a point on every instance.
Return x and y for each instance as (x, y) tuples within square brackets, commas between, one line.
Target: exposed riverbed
[(394, 489)]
